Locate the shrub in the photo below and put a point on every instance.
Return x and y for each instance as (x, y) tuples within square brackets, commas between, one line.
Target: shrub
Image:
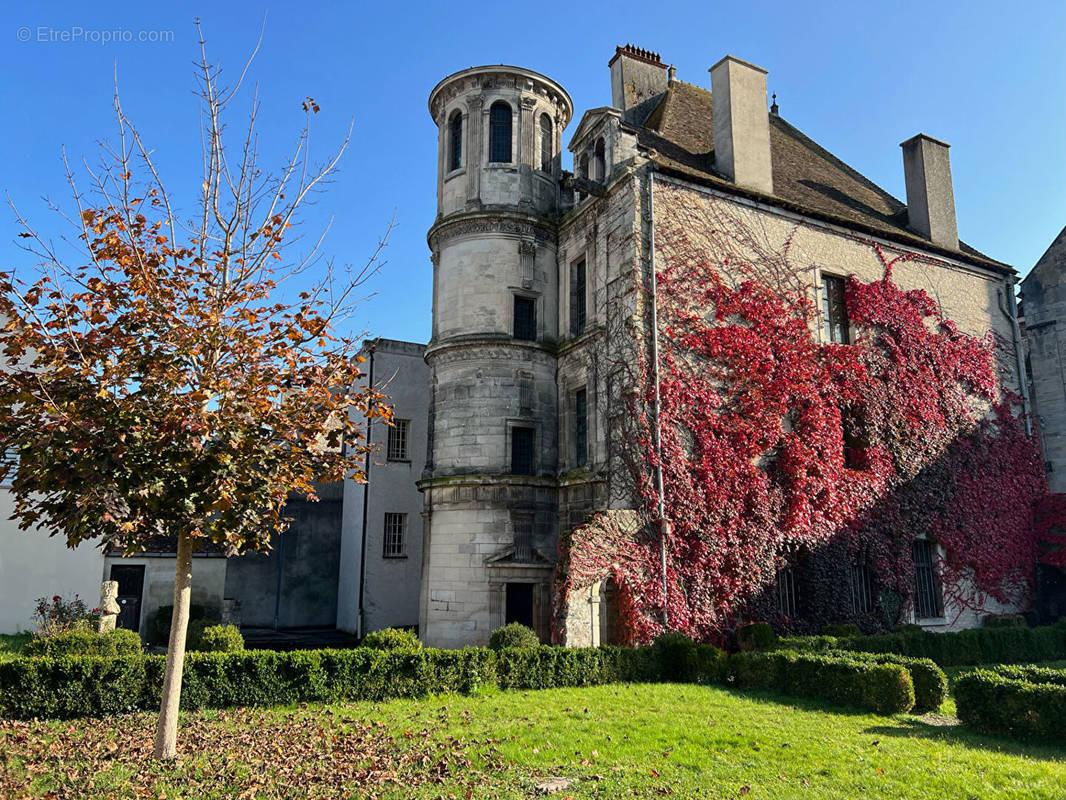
[(813, 644), (993, 703), (999, 645), (676, 654), (159, 623), (1004, 621), (82, 642), (930, 682), (845, 629), (391, 639), (756, 636), (221, 639), (838, 678), (514, 634), (57, 615)]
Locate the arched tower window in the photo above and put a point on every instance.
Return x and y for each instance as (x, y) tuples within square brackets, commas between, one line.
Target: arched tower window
[(599, 162), (500, 133), (583, 166), (546, 154), (455, 141)]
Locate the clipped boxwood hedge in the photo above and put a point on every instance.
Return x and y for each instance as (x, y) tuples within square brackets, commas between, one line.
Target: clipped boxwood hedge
[(1002, 645), (884, 688), (995, 703), (117, 642)]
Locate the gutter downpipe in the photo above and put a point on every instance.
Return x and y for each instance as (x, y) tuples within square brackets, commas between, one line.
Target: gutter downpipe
[(664, 523), (366, 498), (1016, 335)]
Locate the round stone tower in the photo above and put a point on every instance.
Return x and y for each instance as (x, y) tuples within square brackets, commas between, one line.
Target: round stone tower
[(489, 486)]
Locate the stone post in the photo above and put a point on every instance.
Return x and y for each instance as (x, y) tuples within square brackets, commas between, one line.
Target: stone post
[(109, 607)]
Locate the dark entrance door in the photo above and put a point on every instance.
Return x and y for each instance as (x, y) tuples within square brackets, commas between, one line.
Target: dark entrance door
[(520, 604), (130, 588)]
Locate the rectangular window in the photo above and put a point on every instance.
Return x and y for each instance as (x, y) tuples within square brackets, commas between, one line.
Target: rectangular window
[(398, 435), (834, 312), (525, 318), (395, 540), (786, 592), (862, 590), (927, 599), (577, 297), (581, 428), (521, 451)]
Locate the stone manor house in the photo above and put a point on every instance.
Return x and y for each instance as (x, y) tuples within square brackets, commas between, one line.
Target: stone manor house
[(501, 439)]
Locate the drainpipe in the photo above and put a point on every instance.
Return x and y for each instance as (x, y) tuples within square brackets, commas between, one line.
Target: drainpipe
[(663, 522), (277, 580), (1010, 311), (366, 498)]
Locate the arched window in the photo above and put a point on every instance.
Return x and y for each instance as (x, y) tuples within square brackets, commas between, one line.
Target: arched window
[(546, 154), (500, 133), (599, 163), (583, 166), (455, 141)]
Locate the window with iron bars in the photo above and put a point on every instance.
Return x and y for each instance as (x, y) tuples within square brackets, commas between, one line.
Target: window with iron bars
[(786, 592), (398, 435), (927, 598), (862, 590), (395, 539)]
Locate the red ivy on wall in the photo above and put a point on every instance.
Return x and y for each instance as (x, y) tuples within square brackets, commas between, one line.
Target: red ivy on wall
[(755, 412)]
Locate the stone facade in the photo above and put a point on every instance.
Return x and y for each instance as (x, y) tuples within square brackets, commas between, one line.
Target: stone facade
[(379, 581), (576, 246), (1044, 305)]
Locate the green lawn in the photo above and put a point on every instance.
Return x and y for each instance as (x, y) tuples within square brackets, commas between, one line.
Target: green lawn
[(611, 741), (11, 644)]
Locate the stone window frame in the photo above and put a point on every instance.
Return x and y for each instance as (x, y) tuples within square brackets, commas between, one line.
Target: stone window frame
[(398, 446), (934, 583), (570, 295), (455, 154), (524, 424), (825, 310), (545, 136), (394, 535), (489, 160), (534, 299)]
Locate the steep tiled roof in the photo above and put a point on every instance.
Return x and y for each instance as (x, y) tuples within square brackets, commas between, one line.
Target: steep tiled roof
[(807, 178)]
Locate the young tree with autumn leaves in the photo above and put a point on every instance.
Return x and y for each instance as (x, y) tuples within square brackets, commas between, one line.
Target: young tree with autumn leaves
[(172, 380)]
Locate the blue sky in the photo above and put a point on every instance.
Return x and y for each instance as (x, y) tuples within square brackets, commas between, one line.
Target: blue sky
[(859, 78)]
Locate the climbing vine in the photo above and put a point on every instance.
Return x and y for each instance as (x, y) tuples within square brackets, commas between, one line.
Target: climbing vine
[(781, 451)]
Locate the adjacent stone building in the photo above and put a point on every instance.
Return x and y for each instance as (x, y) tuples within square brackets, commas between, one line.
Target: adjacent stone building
[(1044, 303)]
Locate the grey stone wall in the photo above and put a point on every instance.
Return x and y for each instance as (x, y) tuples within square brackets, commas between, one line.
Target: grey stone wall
[(1044, 304)]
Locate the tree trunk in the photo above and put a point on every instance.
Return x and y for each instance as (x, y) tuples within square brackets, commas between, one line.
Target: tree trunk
[(166, 733)]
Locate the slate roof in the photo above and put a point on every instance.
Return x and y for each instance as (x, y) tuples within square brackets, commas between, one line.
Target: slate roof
[(807, 177)]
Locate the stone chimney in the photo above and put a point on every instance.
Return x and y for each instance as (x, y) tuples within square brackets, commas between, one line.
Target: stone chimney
[(930, 198), (638, 79), (741, 124)]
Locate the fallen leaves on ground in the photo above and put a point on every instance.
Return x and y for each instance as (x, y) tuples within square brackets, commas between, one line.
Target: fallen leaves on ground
[(245, 753)]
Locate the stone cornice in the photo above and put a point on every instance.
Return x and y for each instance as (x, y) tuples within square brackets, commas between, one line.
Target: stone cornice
[(489, 340), (480, 223)]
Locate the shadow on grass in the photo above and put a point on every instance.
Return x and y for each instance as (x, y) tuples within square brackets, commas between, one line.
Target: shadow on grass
[(918, 728)]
